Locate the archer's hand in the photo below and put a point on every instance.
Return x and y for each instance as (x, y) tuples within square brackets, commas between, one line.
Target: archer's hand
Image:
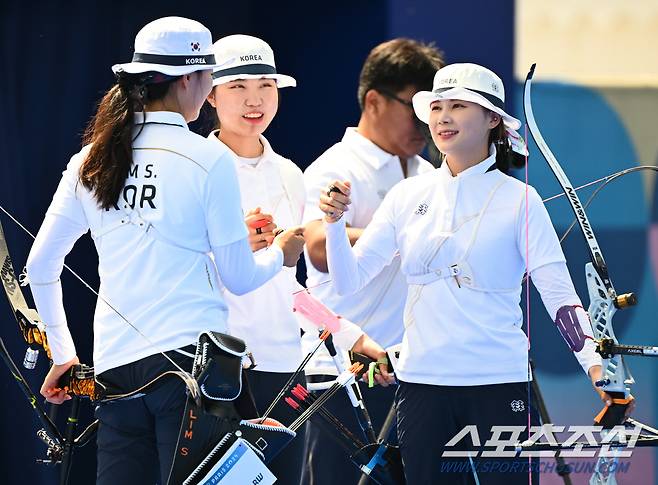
[(291, 242), (596, 374), (49, 388), (367, 346), (261, 229), (335, 200)]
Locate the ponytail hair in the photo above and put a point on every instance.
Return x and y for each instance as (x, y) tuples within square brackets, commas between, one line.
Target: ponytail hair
[(506, 158), (106, 168)]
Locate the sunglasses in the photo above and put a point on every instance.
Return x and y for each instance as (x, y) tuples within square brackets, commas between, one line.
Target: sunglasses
[(395, 97)]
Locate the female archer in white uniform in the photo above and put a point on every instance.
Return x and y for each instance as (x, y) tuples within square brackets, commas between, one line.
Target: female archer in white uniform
[(158, 199), (467, 233), (245, 97)]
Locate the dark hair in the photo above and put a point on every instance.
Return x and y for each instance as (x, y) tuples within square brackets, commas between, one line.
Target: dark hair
[(208, 118), (398, 63), (506, 158), (107, 166)]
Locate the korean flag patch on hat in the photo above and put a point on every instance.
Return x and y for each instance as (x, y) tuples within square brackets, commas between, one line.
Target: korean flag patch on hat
[(171, 45)]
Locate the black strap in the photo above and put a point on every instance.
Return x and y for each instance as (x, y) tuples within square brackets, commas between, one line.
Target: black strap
[(174, 60), (496, 101), (246, 69), (151, 370), (161, 123)]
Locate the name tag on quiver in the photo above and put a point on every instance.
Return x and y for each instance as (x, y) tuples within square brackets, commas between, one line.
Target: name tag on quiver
[(239, 466)]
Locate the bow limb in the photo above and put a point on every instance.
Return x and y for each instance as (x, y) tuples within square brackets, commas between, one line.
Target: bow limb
[(603, 296), (604, 302), (593, 245), (29, 322)]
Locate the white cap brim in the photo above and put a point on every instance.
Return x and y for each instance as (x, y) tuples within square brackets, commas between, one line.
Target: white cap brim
[(282, 81), (423, 99), (140, 67)]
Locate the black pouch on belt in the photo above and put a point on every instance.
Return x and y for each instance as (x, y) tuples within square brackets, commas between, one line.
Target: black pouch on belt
[(218, 365)]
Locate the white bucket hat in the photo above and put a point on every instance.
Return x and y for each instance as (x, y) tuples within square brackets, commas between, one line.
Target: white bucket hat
[(171, 45), (246, 57), (466, 82)]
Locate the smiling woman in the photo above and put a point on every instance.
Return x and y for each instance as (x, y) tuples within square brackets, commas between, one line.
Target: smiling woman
[(466, 234), (246, 109), (245, 99)]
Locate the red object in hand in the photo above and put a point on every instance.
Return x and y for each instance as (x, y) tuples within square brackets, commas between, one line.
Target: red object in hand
[(259, 223)]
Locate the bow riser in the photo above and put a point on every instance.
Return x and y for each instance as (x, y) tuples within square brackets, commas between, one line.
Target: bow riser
[(601, 310)]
